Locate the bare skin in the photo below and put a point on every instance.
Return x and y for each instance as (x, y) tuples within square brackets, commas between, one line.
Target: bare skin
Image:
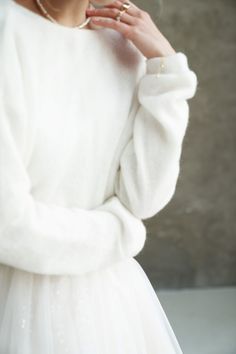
[(71, 12), (136, 24)]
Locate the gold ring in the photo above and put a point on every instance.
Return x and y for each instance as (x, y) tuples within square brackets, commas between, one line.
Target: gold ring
[(118, 17), (125, 6)]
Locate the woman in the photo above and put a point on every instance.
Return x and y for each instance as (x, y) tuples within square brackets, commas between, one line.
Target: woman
[(93, 112)]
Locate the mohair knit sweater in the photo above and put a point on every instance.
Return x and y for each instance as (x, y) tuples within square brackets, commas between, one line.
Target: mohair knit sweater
[(90, 143)]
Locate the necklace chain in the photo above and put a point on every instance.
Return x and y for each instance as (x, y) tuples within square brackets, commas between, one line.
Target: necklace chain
[(45, 13)]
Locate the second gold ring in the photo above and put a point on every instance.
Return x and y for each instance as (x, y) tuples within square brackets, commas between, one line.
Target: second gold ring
[(124, 7)]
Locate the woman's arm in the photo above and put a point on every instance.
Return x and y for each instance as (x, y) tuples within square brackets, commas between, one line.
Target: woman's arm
[(48, 239), (149, 164)]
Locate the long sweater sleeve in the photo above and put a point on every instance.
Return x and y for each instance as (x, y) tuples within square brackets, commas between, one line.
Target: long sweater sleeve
[(150, 162), (49, 239)]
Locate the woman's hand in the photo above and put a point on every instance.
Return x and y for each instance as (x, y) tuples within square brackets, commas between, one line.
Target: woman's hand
[(136, 25)]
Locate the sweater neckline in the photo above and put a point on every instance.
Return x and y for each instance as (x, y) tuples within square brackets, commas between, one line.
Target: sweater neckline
[(44, 21)]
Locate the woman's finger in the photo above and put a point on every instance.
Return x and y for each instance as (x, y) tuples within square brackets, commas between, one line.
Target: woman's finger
[(133, 10), (119, 26), (111, 23), (112, 13)]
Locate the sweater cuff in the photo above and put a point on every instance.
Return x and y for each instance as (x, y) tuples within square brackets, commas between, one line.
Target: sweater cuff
[(173, 63)]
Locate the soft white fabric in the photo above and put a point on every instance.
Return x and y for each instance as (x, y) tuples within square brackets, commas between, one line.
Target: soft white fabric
[(90, 145)]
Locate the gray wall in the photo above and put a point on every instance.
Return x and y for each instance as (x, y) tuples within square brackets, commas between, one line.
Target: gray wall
[(192, 241)]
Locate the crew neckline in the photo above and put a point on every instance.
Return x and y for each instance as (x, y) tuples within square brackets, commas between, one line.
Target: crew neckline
[(50, 24)]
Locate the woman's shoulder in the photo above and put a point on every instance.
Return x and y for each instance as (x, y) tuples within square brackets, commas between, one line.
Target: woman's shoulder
[(108, 43)]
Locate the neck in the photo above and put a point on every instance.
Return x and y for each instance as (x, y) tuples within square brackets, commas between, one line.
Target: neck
[(66, 12)]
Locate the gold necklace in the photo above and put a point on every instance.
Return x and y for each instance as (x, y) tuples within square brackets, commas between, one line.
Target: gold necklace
[(45, 13)]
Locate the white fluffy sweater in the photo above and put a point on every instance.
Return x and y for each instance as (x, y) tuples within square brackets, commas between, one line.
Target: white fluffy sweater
[(90, 142)]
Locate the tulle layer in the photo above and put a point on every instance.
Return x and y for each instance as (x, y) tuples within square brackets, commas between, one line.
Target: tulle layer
[(115, 311)]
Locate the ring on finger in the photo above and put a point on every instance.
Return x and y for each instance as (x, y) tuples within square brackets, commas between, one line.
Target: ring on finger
[(124, 8), (118, 17)]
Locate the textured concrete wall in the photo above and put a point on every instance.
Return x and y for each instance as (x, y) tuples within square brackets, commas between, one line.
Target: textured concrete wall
[(192, 242)]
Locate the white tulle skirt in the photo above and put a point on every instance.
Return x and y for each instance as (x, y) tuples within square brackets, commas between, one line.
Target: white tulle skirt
[(115, 311)]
